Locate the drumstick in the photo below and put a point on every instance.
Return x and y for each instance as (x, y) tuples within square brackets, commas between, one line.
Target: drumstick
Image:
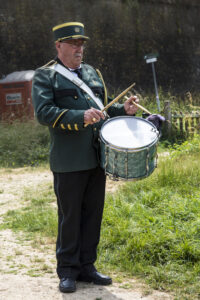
[(140, 106), (116, 99)]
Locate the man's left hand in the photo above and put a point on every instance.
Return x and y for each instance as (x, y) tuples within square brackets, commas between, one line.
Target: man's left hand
[(129, 107)]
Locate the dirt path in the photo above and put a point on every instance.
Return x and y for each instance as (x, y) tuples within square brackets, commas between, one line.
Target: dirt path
[(28, 273)]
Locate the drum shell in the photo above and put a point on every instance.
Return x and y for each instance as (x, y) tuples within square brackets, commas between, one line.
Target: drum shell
[(128, 164)]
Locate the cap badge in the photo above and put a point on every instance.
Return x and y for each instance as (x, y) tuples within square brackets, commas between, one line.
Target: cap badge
[(77, 29)]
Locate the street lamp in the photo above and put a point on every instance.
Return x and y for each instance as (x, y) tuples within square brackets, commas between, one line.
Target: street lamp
[(151, 59)]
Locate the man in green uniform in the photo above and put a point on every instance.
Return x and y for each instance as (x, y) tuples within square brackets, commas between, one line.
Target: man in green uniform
[(74, 118)]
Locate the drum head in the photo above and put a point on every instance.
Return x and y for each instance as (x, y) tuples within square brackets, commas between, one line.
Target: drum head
[(129, 133)]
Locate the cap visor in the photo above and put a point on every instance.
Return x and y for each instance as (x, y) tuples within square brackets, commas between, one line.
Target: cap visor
[(75, 37)]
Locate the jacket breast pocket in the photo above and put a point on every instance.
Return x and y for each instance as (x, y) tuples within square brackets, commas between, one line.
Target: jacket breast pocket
[(66, 93), (98, 91), (66, 98)]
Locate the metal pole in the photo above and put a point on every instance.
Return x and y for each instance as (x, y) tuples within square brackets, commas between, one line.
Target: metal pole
[(155, 84)]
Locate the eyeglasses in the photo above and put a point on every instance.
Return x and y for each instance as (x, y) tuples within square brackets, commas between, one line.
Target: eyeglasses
[(75, 43)]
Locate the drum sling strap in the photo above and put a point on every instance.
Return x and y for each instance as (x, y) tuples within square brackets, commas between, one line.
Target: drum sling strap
[(77, 81)]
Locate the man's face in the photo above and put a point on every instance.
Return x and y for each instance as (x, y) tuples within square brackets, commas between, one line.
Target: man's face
[(70, 52)]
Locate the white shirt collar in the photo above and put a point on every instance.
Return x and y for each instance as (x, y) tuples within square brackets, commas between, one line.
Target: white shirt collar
[(72, 70)]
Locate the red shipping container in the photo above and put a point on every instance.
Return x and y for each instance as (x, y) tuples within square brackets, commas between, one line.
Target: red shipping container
[(15, 96)]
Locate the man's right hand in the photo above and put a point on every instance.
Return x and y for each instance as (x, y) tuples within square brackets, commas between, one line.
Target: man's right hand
[(92, 116)]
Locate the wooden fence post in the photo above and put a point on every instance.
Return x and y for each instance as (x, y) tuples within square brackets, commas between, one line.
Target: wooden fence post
[(168, 117)]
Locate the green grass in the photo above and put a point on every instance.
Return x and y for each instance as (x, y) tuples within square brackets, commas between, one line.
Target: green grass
[(38, 217), (23, 144), (151, 228), (185, 103)]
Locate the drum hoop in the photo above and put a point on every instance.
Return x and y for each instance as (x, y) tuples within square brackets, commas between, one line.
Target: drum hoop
[(138, 149), (117, 178), (130, 149)]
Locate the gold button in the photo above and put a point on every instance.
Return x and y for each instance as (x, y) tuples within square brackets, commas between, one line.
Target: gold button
[(95, 129), (75, 126), (69, 126), (75, 97)]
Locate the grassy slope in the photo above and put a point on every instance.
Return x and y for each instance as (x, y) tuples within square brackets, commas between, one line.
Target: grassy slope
[(152, 228)]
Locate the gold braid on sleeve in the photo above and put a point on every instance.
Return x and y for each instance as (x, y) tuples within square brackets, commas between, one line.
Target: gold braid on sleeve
[(105, 90)]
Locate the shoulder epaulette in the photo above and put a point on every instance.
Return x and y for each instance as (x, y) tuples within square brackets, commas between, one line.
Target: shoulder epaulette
[(50, 63)]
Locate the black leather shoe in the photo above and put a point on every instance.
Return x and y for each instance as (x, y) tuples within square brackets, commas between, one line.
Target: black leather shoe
[(67, 285), (95, 277)]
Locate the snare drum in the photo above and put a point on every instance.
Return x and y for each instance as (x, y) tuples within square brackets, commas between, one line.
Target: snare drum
[(128, 148)]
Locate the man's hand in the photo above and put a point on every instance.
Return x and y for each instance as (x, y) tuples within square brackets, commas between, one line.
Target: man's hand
[(93, 115), (129, 107)]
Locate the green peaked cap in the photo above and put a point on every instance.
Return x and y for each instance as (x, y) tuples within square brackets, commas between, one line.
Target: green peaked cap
[(70, 30)]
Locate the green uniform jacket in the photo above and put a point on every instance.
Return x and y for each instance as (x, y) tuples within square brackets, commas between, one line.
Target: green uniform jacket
[(60, 105)]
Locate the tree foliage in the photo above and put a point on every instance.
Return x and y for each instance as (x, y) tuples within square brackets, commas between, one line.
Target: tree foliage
[(121, 33)]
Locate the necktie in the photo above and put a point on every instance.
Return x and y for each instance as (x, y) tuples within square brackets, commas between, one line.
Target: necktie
[(78, 72)]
